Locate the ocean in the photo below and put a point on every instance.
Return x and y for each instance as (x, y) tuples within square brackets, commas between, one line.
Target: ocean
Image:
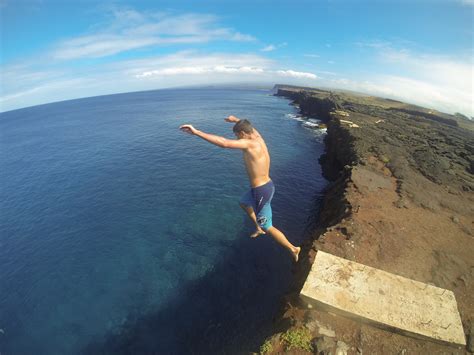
[(121, 234)]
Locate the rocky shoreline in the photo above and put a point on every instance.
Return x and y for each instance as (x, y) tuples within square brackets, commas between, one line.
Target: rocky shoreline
[(401, 199)]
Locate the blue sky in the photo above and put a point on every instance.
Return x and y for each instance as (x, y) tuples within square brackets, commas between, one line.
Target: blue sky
[(417, 51)]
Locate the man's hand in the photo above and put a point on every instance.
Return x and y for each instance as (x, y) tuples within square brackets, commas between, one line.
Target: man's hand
[(232, 119), (188, 128)]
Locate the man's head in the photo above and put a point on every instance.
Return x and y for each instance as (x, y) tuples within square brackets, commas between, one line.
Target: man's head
[(243, 129)]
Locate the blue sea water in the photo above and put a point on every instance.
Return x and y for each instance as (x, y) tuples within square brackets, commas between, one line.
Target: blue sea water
[(121, 234)]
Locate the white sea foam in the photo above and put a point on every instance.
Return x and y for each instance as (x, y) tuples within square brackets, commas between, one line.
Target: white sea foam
[(320, 132), (310, 124), (294, 116)]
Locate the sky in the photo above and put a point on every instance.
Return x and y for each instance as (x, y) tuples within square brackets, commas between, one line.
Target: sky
[(418, 51)]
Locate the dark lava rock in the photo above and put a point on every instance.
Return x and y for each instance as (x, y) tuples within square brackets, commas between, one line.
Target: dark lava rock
[(418, 145)]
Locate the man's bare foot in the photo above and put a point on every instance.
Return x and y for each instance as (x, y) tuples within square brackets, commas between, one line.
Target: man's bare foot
[(257, 233), (296, 253)]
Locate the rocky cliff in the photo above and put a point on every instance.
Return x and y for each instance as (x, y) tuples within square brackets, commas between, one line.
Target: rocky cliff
[(401, 199)]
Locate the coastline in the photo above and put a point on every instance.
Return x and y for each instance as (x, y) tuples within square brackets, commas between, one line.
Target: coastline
[(400, 198)]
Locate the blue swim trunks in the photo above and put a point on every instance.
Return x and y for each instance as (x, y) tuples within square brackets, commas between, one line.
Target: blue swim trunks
[(259, 198)]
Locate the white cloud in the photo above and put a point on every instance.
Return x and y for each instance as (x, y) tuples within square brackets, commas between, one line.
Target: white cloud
[(24, 77), (441, 82), (60, 89), (178, 69), (229, 67), (131, 30), (296, 74), (430, 80), (201, 70), (441, 70), (192, 59), (272, 47), (326, 72), (268, 48), (237, 36), (444, 99), (100, 46), (189, 63)]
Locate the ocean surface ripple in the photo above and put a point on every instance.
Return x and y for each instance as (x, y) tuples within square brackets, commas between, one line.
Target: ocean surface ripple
[(121, 234)]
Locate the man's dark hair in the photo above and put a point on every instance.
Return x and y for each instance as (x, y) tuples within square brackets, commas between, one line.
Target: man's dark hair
[(243, 126)]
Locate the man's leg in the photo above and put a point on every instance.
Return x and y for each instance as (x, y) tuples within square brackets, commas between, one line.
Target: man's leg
[(281, 239), (251, 213)]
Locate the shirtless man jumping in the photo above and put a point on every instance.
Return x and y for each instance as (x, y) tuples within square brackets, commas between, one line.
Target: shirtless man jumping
[(256, 202)]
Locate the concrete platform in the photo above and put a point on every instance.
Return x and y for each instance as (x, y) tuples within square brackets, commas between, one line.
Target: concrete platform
[(383, 299)]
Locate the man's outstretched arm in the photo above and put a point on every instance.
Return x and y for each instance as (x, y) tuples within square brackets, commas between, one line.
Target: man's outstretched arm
[(217, 140)]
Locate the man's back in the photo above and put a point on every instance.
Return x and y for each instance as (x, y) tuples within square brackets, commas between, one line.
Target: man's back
[(257, 161)]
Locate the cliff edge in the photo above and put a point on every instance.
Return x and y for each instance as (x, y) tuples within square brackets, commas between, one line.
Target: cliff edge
[(401, 199)]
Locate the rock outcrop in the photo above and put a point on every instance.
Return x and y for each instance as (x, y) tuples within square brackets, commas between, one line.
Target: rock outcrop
[(401, 199)]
